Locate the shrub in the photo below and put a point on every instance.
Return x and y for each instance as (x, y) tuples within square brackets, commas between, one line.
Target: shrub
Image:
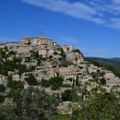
[(103, 81), (31, 80), (45, 83), (2, 98), (78, 51), (15, 85), (54, 82), (2, 88), (69, 95)]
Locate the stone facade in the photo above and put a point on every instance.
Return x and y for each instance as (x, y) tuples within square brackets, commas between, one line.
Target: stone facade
[(68, 48)]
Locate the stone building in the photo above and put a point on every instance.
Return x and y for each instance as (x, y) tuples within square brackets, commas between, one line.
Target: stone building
[(44, 41), (74, 57), (3, 80), (68, 48), (12, 46), (25, 41)]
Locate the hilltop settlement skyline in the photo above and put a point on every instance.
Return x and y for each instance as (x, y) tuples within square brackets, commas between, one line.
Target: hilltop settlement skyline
[(61, 71), (53, 58), (71, 71), (75, 24)]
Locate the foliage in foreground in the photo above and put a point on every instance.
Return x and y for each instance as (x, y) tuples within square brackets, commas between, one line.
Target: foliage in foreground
[(103, 107), (30, 104)]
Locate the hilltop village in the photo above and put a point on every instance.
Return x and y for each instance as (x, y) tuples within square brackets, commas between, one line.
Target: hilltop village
[(43, 60)]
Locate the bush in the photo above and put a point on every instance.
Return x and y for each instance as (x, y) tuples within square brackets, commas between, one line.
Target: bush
[(15, 85), (69, 95), (31, 80), (2, 98), (103, 81), (2, 88), (54, 82), (45, 83)]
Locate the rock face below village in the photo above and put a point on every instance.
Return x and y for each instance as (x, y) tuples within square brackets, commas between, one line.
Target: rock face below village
[(43, 63)]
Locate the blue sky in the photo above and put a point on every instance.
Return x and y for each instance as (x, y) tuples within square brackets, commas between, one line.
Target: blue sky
[(93, 26)]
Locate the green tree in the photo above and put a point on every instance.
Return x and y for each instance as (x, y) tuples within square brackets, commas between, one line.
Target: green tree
[(69, 95), (2, 98)]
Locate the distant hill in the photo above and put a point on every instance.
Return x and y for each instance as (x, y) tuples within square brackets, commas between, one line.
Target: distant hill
[(112, 64), (116, 59)]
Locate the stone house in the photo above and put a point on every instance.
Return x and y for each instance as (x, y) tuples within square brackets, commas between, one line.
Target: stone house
[(16, 77), (46, 52), (68, 48), (25, 41), (45, 73), (3, 80), (92, 68), (12, 46), (34, 41), (66, 107), (43, 52), (45, 41), (24, 49), (74, 57)]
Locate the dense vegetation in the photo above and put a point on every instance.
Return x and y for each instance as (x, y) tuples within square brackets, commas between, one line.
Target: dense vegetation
[(34, 104), (7, 65), (29, 104), (102, 107)]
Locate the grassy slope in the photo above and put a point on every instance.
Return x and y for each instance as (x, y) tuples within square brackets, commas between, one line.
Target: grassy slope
[(110, 64)]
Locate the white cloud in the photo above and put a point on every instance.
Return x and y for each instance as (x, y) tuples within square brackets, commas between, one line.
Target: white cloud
[(116, 1), (105, 12)]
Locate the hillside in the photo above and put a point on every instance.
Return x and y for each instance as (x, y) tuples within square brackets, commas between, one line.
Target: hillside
[(43, 80), (112, 64)]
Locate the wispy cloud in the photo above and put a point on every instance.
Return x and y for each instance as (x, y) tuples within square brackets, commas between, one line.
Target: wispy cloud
[(105, 12)]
